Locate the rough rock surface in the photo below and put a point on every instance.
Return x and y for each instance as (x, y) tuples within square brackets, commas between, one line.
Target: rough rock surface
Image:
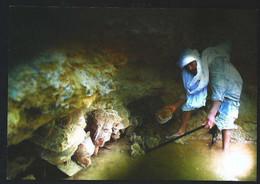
[(69, 168), (29, 177), (84, 151), (58, 140), (102, 124), (136, 150), (56, 83)]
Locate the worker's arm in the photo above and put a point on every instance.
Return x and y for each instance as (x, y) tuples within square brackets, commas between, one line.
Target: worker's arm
[(177, 104), (210, 120), (219, 86)]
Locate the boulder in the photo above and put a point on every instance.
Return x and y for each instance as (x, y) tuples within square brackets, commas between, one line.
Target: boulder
[(61, 134), (57, 141), (55, 157), (100, 124), (69, 168), (84, 151)]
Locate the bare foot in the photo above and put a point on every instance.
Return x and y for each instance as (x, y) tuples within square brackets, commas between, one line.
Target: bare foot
[(177, 134), (225, 150)]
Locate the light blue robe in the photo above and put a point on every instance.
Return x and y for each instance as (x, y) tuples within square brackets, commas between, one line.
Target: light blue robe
[(215, 69)]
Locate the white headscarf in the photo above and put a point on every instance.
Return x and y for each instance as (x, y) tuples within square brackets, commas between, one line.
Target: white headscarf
[(193, 84), (188, 56)]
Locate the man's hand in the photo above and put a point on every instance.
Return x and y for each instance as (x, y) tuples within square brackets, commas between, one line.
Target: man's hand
[(176, 105), (210, 121), (172, 107)]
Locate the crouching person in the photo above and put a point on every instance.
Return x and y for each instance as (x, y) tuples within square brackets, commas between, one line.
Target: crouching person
[(213, 67)]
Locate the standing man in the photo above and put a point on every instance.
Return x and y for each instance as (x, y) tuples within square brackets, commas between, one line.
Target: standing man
[(213, 67)]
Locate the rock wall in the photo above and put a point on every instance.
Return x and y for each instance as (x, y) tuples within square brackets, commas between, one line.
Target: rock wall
[(55, 84)]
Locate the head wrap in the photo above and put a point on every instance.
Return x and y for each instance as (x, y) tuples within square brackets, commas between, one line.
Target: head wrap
[(194, 84), (188, 56)]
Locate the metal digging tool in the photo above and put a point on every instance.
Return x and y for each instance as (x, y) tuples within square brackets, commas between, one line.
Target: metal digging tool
[(187, 133)]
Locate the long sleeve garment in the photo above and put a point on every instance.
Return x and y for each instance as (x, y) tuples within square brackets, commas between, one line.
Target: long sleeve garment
[(225, 81), (215, 68), (226, 84)]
